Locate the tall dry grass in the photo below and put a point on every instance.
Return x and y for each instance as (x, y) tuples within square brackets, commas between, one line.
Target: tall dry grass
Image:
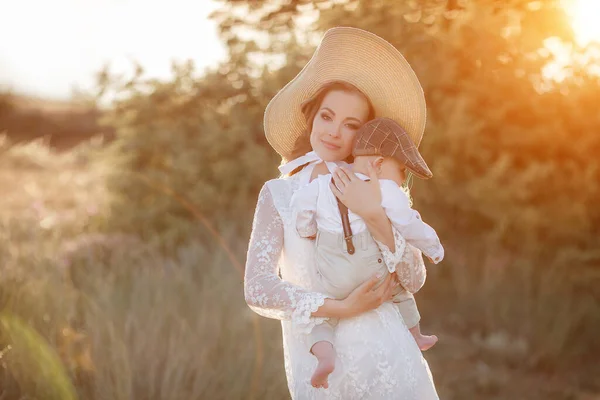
[(92, 315), (107, 316)]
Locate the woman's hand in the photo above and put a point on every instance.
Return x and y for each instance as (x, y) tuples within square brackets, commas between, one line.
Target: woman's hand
[(362, 198), (366, 298)]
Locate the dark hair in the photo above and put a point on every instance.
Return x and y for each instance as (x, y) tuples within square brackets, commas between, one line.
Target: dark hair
[(311, 106)]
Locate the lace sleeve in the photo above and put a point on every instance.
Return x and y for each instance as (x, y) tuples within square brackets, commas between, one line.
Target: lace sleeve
[(265, 292), (406, 262)]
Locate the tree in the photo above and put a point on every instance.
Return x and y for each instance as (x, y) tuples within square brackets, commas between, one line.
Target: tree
[(513, 153)]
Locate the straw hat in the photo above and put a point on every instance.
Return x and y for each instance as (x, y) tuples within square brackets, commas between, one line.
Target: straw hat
[(362, 59)]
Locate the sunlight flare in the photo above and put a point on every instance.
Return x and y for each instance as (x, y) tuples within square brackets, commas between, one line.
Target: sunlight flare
[(584, 16)]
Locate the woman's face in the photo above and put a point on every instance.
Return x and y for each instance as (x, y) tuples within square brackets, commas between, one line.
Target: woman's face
[(336, 122)]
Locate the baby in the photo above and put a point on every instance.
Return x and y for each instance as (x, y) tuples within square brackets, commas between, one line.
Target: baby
[(346, 254)]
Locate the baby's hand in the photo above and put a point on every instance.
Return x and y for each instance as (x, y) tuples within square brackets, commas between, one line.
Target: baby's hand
[(437, 260)]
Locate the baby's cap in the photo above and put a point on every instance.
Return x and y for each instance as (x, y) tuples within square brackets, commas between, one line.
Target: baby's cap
[(385, 137)]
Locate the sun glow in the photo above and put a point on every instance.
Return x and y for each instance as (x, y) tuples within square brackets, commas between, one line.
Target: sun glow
[(584, 15)]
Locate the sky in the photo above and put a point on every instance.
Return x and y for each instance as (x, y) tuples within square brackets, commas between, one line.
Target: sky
[(50, 47)]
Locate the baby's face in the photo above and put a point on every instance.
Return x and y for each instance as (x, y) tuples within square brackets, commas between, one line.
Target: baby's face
[(392, 169)]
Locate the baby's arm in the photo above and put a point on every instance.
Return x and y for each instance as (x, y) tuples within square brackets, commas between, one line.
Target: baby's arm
[(304, 209), (409, 223)]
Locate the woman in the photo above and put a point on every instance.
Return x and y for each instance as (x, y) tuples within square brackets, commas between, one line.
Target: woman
[(352, 77)]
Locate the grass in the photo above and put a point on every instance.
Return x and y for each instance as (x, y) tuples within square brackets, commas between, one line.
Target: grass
[(92, 315)]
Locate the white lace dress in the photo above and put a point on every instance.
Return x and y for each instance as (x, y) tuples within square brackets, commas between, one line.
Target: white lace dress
[(377, 358)]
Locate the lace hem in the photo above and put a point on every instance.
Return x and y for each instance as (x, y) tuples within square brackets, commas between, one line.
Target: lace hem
[(392, 259), (302, 319), (406, 262), (265, 291)]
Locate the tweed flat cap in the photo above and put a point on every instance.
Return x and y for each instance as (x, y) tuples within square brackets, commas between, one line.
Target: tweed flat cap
[(385, 137)]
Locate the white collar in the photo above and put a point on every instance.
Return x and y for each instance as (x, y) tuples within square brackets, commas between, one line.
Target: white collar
[(310, 158)]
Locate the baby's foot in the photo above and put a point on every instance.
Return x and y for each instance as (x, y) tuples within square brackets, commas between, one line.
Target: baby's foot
[(426, 342), (325, 354), (324, 369)]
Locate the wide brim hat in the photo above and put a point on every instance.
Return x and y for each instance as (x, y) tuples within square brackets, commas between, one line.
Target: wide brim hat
[(359, 58)]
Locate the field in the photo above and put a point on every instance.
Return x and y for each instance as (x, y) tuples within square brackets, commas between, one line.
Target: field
[(125, 216), (94, 315)]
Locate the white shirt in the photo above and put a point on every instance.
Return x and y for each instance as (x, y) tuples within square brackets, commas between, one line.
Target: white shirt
[(315, 208)]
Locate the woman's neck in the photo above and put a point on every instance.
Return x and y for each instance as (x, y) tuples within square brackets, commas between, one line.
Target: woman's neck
[(319, 169)]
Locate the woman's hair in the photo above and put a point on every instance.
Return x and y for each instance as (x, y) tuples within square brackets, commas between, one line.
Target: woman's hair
[(408, 181), (406, 186), (309, 109)]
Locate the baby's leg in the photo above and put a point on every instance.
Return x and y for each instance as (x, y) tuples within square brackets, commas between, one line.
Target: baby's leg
[(321, 342), (408, 309), (424, 342)]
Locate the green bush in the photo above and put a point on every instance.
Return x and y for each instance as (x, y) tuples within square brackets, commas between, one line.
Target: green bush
[(516, 177), (186, 144), (93, 315)]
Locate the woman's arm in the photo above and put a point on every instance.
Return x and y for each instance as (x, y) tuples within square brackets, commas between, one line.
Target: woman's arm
[(363, 298), (270, 296), (380, 228), (364, 199), (406, 262), (265, 292)]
